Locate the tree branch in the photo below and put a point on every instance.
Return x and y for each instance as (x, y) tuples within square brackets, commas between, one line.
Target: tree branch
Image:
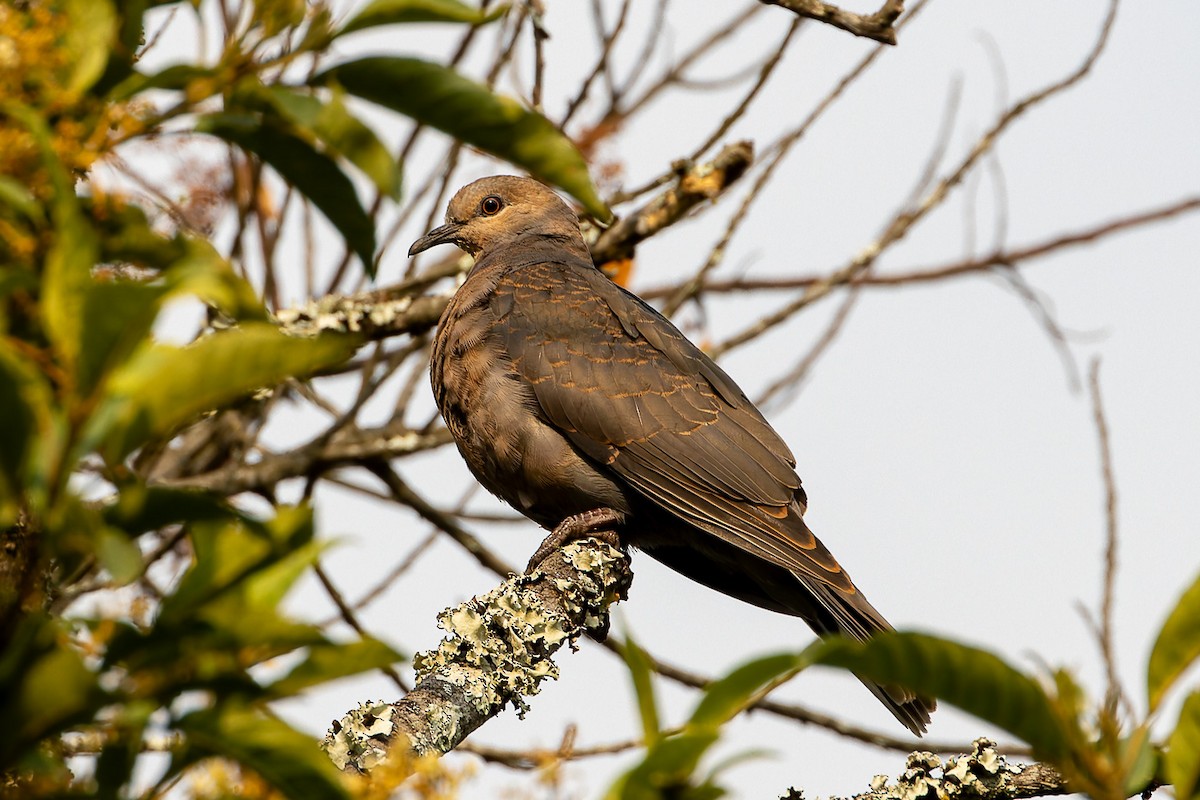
[(697, 183), (983, 774), (498, 650), (877, 26)]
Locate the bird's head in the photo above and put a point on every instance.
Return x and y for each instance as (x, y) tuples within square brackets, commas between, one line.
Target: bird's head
[(495, 211)]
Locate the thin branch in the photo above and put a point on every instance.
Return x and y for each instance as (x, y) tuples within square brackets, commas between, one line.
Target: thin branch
[(348, 616), (788, 384), (675, 73), (1113, 691), (537, 13), (538, 758), (915, 275), (607, 41), (402, 493), (903, 222), (764, 73), (350, 446), (877, 26), (778, 151)]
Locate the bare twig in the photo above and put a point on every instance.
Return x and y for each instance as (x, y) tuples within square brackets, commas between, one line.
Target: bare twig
[(348, 616), (904, 221), (877, 26), (1106, 636), (787, 384), (675, 73), (764, 73), (607, 41), (916, 275), (696, 184)]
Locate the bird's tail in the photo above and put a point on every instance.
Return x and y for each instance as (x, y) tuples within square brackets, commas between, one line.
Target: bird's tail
[(853, 616)]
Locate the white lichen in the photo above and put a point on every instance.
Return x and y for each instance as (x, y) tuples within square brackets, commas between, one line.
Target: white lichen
[(508, 635), (360, 737), (982, 773)]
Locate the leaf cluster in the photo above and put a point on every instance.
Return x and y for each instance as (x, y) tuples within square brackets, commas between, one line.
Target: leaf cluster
[(87, 391), (1098, 752)]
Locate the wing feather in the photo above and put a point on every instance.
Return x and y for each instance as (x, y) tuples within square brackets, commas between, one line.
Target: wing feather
[(634, 394)]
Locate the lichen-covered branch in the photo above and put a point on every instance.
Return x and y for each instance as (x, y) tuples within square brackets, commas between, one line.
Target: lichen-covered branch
[(877, 26), (983, 774), (696, 184), (376, 315), (498, 650)]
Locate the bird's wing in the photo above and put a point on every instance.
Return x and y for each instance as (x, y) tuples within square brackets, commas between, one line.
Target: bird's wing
[(631, 392)]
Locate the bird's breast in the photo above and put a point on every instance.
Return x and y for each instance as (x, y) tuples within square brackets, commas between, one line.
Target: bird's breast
[(493, 415)]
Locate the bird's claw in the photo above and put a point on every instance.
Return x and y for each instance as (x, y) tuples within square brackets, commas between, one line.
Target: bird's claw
[(597, 523)]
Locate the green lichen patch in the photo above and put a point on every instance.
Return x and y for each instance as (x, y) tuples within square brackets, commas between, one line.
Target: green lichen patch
[(506, 638), (982, 773), (361, 736)]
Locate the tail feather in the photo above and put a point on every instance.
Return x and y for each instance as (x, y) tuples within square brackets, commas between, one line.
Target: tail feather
[(855, 617)]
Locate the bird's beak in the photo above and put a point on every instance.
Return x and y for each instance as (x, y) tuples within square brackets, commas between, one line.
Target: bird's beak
[(442, 234)]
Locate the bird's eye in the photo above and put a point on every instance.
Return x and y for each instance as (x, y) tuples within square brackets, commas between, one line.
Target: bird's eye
[(491, 205)]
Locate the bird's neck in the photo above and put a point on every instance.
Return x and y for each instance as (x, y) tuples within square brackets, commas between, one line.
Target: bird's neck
[(532, 248)]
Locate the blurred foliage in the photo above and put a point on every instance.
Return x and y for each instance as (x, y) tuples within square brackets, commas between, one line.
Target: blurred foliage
[(1101, 749), (85, 388)]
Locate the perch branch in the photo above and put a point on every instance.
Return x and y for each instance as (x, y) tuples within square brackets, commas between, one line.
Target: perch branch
[(498, 650)]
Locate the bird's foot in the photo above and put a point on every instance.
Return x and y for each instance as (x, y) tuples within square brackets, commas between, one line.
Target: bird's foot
[(597, 523)]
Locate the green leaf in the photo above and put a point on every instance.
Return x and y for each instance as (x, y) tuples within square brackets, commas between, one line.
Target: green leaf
[(67, 277), (316, 175), (141, 508), (666, 769), (1139, 760), (643, 688), (117, 316), (162, 387), (390, 12), (89, 37), (276, 16), (131, 32), (26, 401), (44, 686), (120, 556), (725, 698), (66, 283), (266, 588), (342, 133), (440, 97), (670, 763), (284, 757), (327, 662), (226, 552), (1183, 750), (975, 680), (202, 272), (176, 77), (1177, 647)]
